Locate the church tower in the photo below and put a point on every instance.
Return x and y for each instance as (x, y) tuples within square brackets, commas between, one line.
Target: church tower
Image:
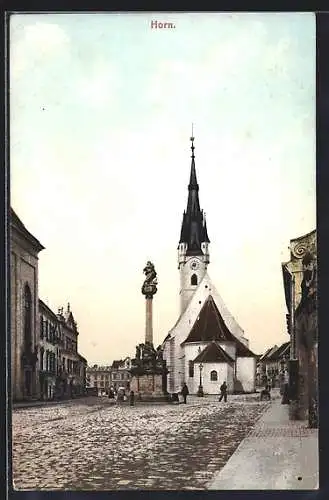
[(193, 253)]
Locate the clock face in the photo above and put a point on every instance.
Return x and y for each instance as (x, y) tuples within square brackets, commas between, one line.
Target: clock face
[(194, 265)]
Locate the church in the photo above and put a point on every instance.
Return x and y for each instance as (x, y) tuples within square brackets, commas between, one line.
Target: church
[(206, 346)]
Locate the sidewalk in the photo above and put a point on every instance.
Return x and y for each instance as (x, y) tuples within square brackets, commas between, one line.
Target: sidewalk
[(278, 454), (36, 403)]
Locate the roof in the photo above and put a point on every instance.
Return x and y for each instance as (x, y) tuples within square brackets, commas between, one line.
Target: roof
[(20, 228), (210, 325), (117, 363), (213, 353), (47, 309), (268, 352), (82, 358), (284, 349)]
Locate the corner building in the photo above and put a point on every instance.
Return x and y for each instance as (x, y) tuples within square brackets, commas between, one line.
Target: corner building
[(24, 311)]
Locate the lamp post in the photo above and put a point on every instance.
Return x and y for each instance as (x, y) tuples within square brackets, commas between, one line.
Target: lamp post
[(200, 390)]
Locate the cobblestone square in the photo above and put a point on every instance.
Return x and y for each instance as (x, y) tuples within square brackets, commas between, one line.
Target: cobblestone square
[(93, 444)]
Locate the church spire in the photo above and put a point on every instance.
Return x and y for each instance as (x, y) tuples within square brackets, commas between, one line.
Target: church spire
[(194, 229), (193, 181), (193, 205)]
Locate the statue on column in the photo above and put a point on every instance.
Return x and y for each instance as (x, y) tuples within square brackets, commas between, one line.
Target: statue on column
[(149, 287)]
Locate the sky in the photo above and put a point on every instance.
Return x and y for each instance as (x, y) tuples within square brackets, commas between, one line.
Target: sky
[(101, 107)]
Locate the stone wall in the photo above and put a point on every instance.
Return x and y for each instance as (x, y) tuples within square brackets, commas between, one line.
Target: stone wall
[(147, 386)]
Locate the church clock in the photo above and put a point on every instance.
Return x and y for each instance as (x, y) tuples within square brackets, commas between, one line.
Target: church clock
[(194, 265)]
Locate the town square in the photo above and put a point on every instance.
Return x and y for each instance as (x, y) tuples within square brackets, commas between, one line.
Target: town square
[(163, 300)]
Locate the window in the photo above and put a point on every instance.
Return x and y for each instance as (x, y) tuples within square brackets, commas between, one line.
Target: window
[(41, 327), (41, 358), (213, 376), (190, 369), (194, 279), (27, 318)]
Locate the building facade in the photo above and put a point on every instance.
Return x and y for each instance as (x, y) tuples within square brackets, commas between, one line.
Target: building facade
[(72, 369), (24, 309), (196, 292), (99, 378), (300, 288), (273, 364), (48, 351), (120, 373)]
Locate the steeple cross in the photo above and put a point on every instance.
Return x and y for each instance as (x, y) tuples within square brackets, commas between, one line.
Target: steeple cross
[(192, 139)]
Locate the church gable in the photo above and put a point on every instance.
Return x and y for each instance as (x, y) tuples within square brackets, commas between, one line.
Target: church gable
[(213, 353), (184, 323), (210, 326)]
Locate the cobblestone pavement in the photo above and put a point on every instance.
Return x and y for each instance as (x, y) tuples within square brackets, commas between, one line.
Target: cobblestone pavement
[(93, 444)]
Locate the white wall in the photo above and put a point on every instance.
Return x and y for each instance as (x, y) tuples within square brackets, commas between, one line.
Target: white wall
[(186, 289), (210, 387), (191, 352), (246, 373), (229, 347)]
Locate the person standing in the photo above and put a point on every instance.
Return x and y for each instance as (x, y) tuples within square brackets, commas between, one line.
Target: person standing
[(223, 392), (185, 392)]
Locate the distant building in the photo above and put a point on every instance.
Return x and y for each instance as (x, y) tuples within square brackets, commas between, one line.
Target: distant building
[(99, 378), (72, 366), (300, 288), (120, 373), (24, 310), (273, 363)]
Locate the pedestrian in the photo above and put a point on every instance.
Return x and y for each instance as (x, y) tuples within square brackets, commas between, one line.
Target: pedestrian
[(132, 398), (223, 392), (285, 396), (111, 393), (185, 392)]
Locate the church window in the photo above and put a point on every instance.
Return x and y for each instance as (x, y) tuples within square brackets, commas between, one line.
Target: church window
[(194, 279), (213, 376), (190, 369), (27, 318)]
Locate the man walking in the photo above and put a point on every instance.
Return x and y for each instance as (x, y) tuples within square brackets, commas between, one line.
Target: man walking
[(223, 392), (185, 392)]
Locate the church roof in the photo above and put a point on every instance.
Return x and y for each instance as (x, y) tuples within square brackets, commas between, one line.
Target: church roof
[(213, 353), (194, 228), (210, 325)]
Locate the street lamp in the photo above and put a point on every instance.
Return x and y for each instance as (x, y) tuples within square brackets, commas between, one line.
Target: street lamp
[(200, 390)]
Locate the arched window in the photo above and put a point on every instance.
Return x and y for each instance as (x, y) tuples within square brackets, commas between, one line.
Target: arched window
[(213, 376), (194, 279), (27, 318)]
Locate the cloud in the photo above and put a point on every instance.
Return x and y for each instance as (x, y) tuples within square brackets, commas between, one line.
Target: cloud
[(35, 44)]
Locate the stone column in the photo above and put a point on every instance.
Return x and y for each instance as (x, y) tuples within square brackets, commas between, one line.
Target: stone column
[(149, 320)]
